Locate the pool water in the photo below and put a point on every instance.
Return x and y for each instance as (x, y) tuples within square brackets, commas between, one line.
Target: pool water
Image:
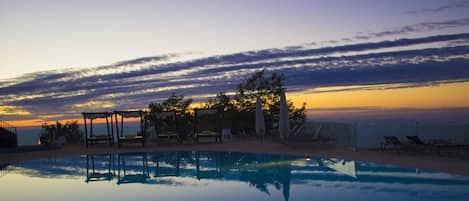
[(221, 176)]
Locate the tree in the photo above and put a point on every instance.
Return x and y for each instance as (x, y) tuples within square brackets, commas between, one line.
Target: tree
[(70, 130), (239, 109), (266, 88), (173, 103), (221, 101), (178, 104), (242, 105)]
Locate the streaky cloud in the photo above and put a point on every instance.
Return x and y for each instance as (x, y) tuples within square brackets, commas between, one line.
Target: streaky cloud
[(135, 83), (415, 28), (451, 5)]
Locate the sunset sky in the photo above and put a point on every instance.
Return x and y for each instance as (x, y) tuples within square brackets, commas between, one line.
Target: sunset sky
[(361, 59)]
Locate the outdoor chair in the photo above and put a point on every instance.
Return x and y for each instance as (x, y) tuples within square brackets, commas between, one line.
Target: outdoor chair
[(208, 124), (419, 145), (441, 147), (438, 146), (392, 142), (416, 140)]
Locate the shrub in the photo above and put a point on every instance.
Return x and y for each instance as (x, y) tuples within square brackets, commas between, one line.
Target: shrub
[(70, 130)]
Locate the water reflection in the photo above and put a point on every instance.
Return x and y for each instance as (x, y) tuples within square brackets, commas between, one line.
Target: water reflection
[(208, 165), (100, 167), (277, 176), (132, 168), (167, 164)]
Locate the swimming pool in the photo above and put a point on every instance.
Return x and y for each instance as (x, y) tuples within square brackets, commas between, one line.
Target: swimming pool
[(224, 176)]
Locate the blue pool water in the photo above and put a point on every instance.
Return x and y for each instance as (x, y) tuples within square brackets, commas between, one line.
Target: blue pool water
[(221, 176)]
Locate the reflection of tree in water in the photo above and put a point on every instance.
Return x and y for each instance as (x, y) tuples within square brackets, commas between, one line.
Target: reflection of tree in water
[(182, 160), (261, 171), (260, 179)]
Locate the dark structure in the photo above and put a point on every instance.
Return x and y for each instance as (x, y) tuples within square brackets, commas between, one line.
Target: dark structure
[(392, 142), (134, 137), (100, 167), (8, 135), (90, 136), (168, 164), (208, 124), (132, 172), (208, 165), (166, 126)]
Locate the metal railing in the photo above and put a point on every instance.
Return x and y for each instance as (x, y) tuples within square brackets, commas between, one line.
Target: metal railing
[(7, 126), (4, 170)]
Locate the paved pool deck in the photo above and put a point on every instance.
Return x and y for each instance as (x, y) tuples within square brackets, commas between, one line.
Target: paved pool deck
[(421, 161)]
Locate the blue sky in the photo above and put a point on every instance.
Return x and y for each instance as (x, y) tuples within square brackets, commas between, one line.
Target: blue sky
[(44, 35), (63, 57)]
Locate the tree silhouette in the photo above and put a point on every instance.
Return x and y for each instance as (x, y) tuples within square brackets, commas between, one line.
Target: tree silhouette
[(70, 130), (240, 107)]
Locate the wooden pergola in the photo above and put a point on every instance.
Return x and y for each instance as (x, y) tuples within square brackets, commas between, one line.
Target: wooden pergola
[(137, 137), (90, 136), (166, 126), (208, 124)]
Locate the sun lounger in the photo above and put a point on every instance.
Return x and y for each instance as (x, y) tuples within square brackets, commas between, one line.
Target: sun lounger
[(392, 142), (416, 140), (442, 147), (418, 144)]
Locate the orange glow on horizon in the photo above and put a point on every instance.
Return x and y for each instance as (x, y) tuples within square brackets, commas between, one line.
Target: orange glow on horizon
[(39, 122), (440, 96), (451, 95)]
